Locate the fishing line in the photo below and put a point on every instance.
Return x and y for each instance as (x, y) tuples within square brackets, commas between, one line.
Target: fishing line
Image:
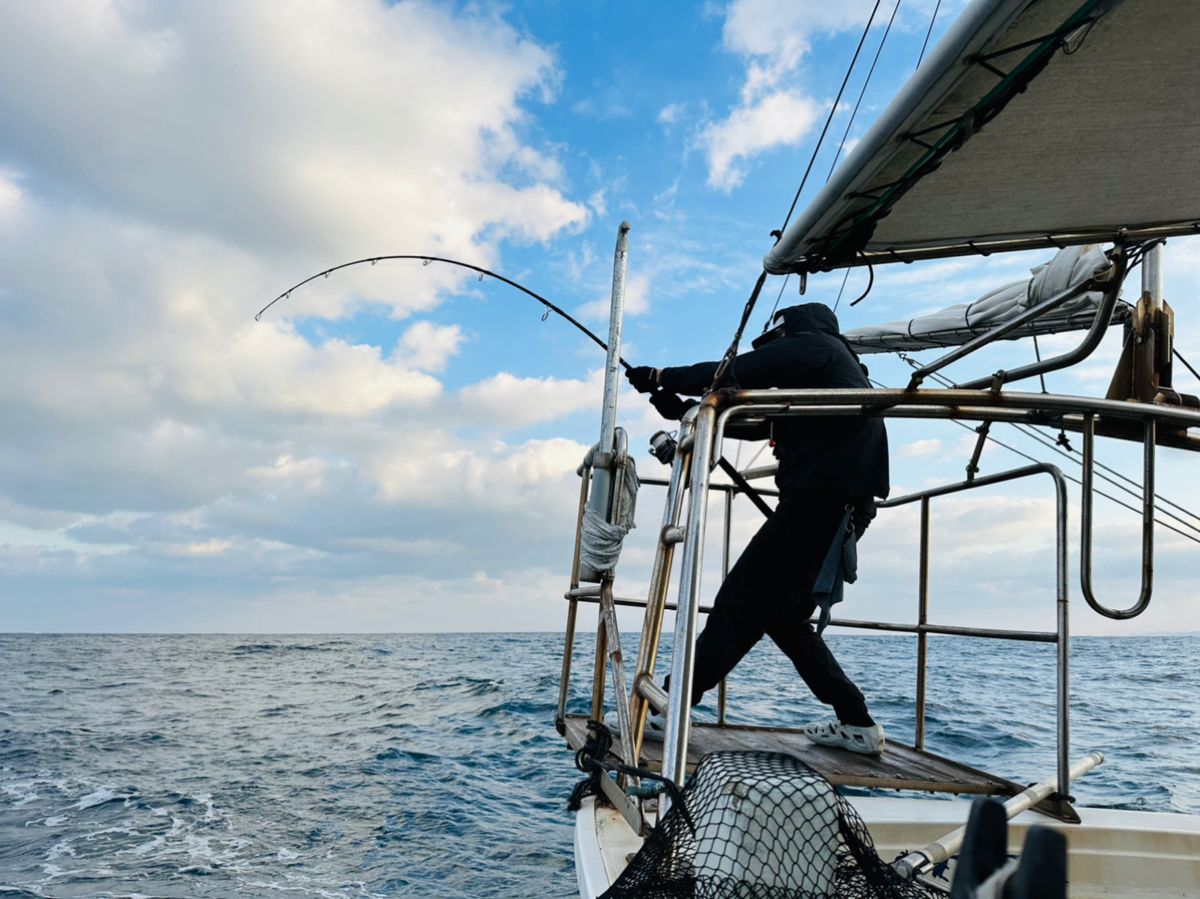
[(425, 260)]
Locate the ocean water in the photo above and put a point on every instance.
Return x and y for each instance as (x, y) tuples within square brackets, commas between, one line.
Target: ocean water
[(428, 765)]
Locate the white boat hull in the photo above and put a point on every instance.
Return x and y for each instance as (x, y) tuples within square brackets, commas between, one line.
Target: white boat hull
[(1111, 853)]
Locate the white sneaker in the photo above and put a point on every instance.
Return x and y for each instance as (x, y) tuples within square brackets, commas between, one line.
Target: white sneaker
[(866, 740), (656, 725)]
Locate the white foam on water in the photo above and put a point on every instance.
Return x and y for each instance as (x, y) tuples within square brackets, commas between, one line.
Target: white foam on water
[(145, 848), (23, 792), (286, 855), (56, 820), (97, 797), (60, 849)]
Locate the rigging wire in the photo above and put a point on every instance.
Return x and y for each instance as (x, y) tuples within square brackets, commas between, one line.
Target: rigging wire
[(842, 289), (1186, 364), (425, 260), (1043, 438), (1071, 478), (829, 119), (929, 32), (842, 143), (862, 93), (1105, 473)]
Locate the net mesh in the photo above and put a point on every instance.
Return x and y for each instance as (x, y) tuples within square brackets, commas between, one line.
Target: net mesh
[(755, 825)]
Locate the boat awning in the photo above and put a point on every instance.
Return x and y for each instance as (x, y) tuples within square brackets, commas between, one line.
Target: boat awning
[(1034, 123)]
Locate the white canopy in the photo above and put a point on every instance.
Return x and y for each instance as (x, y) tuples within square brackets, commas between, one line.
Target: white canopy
[(1033, 123), (957, 324)]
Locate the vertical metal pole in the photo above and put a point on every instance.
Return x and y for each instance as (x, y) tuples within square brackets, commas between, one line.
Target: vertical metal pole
[(612, 368), (560, 715), (721, 689), (601, 498), (1063, 643), (656, 598), (608, 613), (922, 620), (598, 675), (1152, 277), (683, 653)]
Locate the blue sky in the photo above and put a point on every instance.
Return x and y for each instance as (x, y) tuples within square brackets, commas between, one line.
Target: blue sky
[(393, 448)]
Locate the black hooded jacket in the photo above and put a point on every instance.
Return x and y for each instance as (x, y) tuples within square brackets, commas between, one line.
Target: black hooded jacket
[(845, 455)]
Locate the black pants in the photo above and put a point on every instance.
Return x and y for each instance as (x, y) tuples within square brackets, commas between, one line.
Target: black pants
[(769, 591)]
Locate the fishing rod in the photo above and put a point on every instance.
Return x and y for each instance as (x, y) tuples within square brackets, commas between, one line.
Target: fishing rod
[(425, 260), (734, 475)]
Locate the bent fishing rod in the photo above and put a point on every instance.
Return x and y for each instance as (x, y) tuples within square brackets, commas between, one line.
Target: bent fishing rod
[(734, 475)]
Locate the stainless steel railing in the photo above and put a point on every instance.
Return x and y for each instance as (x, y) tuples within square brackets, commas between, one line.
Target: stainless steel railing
[(701, 442)]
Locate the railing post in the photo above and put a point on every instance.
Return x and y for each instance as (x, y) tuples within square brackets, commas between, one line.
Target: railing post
[(675, 741), (922, 620), (1063, 646), (721, 689), (656, 598), (560, 713)]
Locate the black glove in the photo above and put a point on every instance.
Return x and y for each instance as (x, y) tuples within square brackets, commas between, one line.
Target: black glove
[(642, 378), (669, 405)]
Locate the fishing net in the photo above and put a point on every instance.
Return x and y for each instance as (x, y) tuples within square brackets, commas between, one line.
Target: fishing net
[(756, 825)]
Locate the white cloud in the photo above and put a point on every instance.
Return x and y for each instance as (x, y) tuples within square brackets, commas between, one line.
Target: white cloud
[(920, 448), (10, 196), (670, 114), (199, 116), (509, 401), (429, 347), (166, 171), (782, 118), (773, 109)]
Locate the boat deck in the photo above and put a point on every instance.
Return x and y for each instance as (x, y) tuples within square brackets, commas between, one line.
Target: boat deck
[(900, 767)]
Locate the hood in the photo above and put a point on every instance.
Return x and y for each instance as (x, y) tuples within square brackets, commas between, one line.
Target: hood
[(809, 317)]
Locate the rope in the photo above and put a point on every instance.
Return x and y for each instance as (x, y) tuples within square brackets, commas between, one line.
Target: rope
[(592, 759)]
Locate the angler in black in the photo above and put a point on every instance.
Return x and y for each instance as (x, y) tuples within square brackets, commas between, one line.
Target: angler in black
[(827, 465)]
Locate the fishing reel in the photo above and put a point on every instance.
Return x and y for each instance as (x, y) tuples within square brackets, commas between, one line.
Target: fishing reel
[(662, 447)]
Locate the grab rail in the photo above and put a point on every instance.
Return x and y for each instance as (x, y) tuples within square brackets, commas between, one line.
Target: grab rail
[(1085, 537)]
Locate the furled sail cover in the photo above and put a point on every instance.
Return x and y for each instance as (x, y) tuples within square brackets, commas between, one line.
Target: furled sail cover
[(1035, 123), (956, 325)]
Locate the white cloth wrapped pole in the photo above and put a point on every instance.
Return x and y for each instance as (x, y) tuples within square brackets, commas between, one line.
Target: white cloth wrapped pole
[(601, 541), (955, 325)]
